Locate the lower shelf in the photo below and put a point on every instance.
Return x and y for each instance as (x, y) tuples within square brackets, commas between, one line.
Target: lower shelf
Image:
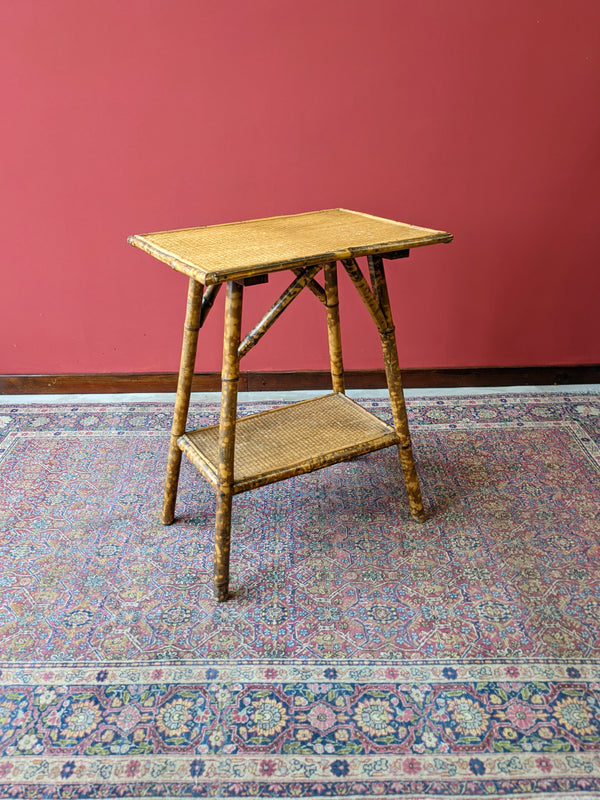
[(291, 440)]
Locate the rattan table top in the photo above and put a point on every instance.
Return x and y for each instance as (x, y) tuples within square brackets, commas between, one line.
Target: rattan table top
[(218, 253)]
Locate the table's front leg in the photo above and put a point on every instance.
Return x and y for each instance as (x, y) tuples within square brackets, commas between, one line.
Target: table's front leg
[(394, 381), (229, 388), (182, 402)]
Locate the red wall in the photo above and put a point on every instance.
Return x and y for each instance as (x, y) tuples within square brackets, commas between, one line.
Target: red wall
[(477, 117)]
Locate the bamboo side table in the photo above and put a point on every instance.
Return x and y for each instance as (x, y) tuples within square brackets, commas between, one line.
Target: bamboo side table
[(242, 454)]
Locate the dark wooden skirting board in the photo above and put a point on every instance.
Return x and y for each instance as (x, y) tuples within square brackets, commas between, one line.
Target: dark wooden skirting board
[(288, 381)]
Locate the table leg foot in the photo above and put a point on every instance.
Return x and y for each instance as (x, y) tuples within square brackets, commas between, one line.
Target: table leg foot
[(411, 481), (221, 593), (222, 544), (171, 482), (407, 461)]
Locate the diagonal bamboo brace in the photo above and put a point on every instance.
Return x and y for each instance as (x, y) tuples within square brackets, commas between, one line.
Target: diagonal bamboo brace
[(210, 295), (314, 286), (182, 401), (278, 308), (370, 301)]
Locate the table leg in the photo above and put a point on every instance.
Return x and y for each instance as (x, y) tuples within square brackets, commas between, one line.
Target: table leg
[(229, 388), (394, 382), (333, 327), (182, 401)]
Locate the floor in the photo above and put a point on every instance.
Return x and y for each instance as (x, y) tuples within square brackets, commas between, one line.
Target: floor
[(199, 397)]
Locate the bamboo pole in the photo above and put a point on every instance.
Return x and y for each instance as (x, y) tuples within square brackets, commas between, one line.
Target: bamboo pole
[(278, 308), (229, 388), (333, 328), (182, 401), (394, 381), (210, 295), (365, 292), (314, 286)]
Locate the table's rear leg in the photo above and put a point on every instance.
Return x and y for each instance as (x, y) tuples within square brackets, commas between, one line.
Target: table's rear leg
[(333, 327), (229, 388), (182, 402), (394, 382)]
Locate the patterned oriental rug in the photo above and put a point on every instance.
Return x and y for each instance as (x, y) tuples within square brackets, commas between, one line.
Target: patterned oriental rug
[(362, 656)]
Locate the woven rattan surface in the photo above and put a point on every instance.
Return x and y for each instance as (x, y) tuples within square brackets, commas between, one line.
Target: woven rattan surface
[(291, 440), (219, 253)]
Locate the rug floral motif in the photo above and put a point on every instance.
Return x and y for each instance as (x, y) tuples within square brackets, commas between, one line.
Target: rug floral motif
[(362, 654)]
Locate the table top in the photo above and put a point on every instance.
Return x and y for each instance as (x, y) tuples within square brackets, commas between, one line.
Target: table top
[(218, 253)]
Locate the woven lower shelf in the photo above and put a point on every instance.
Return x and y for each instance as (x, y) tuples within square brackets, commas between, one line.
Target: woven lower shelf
[(302, 437)]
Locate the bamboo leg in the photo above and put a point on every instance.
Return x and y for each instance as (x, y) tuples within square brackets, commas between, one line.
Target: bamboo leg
[(229, 388), (182, 401), (394, 381), (333, 328)]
